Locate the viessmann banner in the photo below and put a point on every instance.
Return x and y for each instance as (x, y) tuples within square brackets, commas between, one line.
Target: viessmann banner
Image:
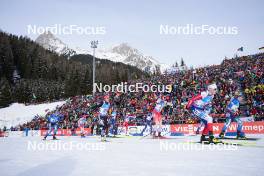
[(179, 129), (248, 128)]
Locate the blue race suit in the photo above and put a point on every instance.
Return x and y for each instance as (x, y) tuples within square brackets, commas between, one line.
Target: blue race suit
[(231, 115), (53, 121), (103, 115), (148, 123)]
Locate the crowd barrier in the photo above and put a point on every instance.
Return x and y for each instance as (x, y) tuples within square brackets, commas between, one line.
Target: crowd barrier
[(167, 130)]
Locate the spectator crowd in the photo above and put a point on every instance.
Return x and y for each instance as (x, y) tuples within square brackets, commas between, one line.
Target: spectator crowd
[(243, 74)]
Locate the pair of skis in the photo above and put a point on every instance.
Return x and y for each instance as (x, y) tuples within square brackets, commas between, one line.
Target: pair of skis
[(158, 137), (241, 142)]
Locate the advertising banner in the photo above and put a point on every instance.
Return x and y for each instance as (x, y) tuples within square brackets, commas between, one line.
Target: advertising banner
[(248, 127)]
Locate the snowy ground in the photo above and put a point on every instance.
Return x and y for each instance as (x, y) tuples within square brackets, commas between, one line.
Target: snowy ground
[(18, 113), (127, 156)]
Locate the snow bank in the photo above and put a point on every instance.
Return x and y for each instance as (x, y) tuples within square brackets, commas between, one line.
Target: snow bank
[(30, 156), (19, 113)]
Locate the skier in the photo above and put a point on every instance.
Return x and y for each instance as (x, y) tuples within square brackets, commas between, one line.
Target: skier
[(53, 121), (81, 123), (207, 109), (125, 124), (157, 116), (148, 122), (113, 123), (94, 127), (232, 112), (199, 106), (103, 117)]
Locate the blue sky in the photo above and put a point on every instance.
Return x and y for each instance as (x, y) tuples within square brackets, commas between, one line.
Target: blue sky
[(138, 23)]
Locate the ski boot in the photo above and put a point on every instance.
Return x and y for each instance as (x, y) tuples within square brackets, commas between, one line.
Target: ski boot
[(103, 138), (159, 134), (161, 137), (212, 139), (203, 139), (215, 141), (241, 136), (222, 135), (54, 137)]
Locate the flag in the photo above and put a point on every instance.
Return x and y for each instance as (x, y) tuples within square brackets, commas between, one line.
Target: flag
[(240, 49), (34, 96)]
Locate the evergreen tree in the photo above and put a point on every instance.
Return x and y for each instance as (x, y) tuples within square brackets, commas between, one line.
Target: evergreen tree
[(176, 64), (5, 93), (30, 73), (182, 62), (6, 57)]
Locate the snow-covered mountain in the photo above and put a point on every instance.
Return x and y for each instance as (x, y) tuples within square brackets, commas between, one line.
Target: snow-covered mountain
[(50, 42), (119, 53)]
